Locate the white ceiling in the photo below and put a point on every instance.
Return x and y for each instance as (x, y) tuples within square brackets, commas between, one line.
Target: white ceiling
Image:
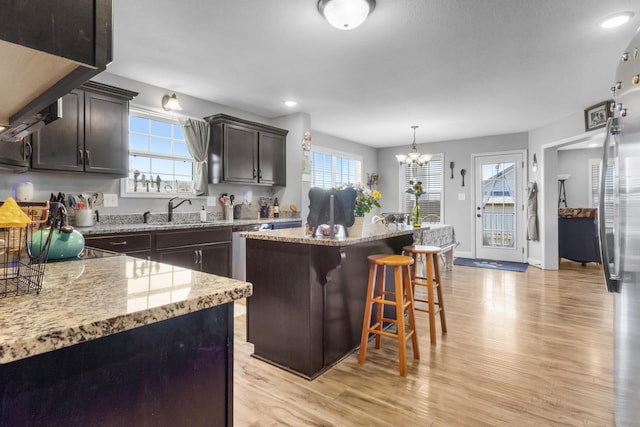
[(456, 68)]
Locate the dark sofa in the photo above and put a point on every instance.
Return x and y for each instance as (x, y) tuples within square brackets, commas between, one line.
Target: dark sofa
[(578, 235)]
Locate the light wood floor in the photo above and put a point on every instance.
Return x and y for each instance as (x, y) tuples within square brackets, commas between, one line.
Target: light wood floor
[(522, 349)]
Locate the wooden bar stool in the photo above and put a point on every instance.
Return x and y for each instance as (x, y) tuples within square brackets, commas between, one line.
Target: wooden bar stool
[(431, 282), (401, 298)]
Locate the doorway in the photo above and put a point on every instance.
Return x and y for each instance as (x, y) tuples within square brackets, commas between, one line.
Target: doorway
[(498, 212)]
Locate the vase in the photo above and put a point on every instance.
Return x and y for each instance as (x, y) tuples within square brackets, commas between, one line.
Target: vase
[(356, 229), (417, 219)]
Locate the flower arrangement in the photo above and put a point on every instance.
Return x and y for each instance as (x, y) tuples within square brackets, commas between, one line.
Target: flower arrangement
[(415, 189), (366, 199)]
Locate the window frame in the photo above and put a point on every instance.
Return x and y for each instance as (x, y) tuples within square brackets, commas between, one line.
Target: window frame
[(334, 155), (406, 207), (173, 120)]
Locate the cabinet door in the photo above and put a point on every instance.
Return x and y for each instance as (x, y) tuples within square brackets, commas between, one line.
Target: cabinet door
[(184, 257), (272, 155), (106, 134), (60, 144), (240, 154), (216, 259)]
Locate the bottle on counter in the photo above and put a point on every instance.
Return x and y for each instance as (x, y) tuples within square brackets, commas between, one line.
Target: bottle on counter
[(203, 215), (276, 209)]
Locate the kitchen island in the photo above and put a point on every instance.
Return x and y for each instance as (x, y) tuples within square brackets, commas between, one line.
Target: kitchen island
[(119, 341), (308, 299)]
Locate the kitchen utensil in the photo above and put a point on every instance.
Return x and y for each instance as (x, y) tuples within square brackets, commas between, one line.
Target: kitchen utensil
[(232, 198), (221, 200), (463, 172)]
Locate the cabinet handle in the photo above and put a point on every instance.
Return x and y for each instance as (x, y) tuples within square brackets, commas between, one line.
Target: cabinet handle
[(254, 172), (200, 257), (195, 257), (123, 243), (259, 173), (80, 157), (88, 155), (27, 150)]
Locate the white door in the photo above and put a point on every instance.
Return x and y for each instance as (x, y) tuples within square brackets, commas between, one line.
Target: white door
[(499, 219)]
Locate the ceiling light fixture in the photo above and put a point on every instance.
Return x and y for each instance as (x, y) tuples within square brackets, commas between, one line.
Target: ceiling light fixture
[(290, 103), (346, 14), (414, 158), (616, 20), (170, 103)]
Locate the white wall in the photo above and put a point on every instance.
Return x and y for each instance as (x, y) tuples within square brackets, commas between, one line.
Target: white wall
[(458, 213), (576, 164), (544, 141)]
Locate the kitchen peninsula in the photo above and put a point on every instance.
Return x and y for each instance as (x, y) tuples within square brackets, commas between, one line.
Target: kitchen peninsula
[(308, 299), (119, 341)]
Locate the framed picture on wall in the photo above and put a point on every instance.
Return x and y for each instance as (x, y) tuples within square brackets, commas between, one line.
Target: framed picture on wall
[(596, 116)]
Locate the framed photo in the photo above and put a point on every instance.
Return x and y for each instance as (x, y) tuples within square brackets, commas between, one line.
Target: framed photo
[(596, 116)]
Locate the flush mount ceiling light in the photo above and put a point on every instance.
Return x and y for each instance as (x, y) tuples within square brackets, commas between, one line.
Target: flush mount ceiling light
[(290, 103), (170, 103), (613, 21), (414, 158), (346, 14)]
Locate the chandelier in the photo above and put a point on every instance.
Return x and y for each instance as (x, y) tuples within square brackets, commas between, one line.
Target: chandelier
[(414, 158)]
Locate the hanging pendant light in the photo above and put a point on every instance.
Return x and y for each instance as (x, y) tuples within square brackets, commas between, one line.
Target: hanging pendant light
[(413, 157)]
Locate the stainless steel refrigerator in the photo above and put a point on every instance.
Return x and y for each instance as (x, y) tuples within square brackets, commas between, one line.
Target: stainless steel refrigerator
[(619, 231)]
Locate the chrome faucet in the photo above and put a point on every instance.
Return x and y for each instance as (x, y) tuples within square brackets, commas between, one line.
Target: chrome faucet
[(171, 207)]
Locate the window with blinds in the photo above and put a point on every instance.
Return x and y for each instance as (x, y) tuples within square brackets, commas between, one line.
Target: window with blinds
[(431, 176), (328, 170), (594, 174)]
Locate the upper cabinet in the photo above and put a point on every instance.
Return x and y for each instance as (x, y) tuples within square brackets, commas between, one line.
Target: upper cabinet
[(92, 134), (246, 152), (49, 47)]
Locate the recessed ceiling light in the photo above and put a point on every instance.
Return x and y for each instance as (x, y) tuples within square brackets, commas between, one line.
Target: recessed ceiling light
[(290, 103), (616, 20)]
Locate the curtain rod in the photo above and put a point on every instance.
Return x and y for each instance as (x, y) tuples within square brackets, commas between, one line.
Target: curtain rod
[(160, 114)]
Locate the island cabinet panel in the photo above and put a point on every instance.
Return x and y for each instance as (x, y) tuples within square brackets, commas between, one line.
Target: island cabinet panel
[(178, 370), (246, 152), (308, 300), (92, 136)]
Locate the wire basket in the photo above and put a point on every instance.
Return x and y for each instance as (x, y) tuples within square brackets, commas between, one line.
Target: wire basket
[(20, 272)]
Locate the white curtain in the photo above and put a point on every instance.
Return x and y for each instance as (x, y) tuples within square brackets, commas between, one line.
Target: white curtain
[(196, 135)]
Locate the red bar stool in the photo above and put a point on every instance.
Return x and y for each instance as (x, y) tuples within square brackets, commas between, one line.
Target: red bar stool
[(431, 282), (401, 298)]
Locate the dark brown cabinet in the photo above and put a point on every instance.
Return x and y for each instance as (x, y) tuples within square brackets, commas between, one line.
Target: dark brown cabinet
[(133, 244), (203, 249), (77, 37), (91, 136), (246, 152)]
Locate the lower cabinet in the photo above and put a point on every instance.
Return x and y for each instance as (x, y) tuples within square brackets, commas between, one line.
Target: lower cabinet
[(214, 259), (202, 249), (133, 244)]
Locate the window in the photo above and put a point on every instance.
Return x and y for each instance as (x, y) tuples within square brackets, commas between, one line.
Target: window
[(431, 177), (594, 176), (159, 161), (330, 170)]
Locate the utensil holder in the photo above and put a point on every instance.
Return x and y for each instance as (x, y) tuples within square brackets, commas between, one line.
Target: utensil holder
[(228, 213), (84, 218)]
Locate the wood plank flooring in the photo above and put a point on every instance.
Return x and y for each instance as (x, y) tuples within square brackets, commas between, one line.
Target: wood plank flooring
[(522, 349)]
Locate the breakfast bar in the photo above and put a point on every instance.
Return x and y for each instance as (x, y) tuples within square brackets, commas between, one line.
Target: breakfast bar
[(117, 340), (308, 300)]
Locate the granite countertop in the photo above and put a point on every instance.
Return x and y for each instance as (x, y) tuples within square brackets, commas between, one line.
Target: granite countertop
[(105, 228), (370, 233), (87, 299)]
